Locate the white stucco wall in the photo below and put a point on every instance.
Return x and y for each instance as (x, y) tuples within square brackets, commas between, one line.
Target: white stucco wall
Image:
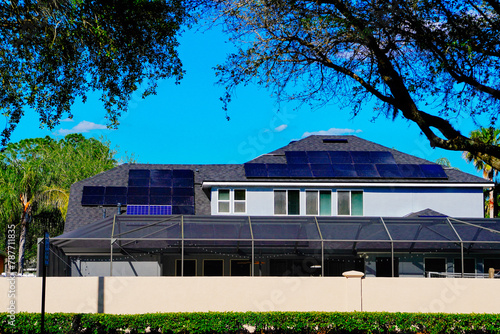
[(379, 201)]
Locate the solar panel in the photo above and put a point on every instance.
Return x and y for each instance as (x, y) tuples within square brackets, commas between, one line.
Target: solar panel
[(183, 200), (160, 183), (138, 174), (277, 170), (340, 157), (361, 157), (160, 210), (255, 170), (344, 170), (335, 140), (433, 171), (115, 199), (296, 157), (137, 209), (383, 157), (183, 173), (138, 191), (388, 170), (93, 191), (318, 157), (160, 191), (143, 200), (366, 170), (322, 170), (161, 174), (183, 191), (183, 210), (302, 170), (160, 200), (92, 200), (182, 183), (138, 182), (116, 191), (411, 171)]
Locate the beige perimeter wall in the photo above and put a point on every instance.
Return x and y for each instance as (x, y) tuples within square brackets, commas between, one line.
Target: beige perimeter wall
[(132, 295)]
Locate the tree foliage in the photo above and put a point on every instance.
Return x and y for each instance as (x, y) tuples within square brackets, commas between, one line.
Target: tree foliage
[(429, 61), (55, 51), (35, 179), (489, 136)]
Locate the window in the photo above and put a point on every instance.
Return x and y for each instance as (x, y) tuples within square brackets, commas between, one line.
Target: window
[(213, 268), (319, 202), (240, 201), (231, 201), (435, 265), (189, 267), (224, 200), (350, 203), (240, 267), (383, 267), (286, 202), (469, 265)]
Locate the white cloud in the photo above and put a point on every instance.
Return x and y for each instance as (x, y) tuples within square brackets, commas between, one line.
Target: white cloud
[(67, 120), (331, 132), (280, 128), (82, 127)]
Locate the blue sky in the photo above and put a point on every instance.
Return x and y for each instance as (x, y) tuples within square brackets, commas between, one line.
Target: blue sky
[(186, 124)]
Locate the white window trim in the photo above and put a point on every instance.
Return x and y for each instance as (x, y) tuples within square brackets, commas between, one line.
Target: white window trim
[(350, 199), (232, 201), (318, 191), (286, 202)]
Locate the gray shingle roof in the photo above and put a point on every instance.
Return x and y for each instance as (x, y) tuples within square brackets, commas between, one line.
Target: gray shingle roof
[(79, 215)]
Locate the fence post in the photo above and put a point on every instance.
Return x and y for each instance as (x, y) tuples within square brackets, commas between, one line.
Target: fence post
[(491, 273)]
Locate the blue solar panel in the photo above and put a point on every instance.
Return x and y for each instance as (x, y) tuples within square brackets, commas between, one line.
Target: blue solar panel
[(255, 170), (366, 170), (411, 171), (296, 157), (137, 209), (138, 174), (93, 191), (344, 170), (302, 170), (361, 157), (318, 157), (322, 170), (382, 157), (277, 170), (340, 157), (388, 170), (161, 174), (160, 183), (434, 171), (160, 210)]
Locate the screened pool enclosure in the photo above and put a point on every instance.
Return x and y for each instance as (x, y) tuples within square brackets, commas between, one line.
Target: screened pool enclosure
[(276, 246)]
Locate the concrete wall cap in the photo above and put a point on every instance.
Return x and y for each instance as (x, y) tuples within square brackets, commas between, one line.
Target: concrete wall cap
[(353, 274)]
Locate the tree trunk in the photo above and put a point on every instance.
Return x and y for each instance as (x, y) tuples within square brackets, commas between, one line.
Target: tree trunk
[(22, 238), (492, 202)]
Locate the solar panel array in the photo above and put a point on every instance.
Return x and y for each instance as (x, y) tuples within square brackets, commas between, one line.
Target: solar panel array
[(149, 209), (157, 187), (343, 164)]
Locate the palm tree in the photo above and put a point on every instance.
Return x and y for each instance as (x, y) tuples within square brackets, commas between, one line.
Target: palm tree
[(490, 136)]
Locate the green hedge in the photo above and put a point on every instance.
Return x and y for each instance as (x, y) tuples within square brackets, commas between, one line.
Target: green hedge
[(238, 323)]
